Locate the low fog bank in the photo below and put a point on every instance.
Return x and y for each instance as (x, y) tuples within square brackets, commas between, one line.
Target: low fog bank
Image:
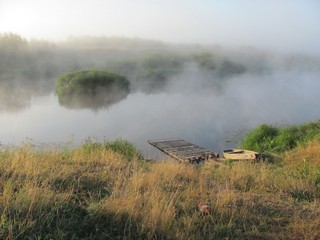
[(31, 68), (208, 95)]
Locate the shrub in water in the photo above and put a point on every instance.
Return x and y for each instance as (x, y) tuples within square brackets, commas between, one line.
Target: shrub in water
[(91, 88)]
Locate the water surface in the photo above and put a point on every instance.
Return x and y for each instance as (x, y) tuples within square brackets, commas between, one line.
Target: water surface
[(212, 119)]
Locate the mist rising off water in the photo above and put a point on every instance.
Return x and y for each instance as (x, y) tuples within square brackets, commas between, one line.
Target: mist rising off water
[(208, 96), (210, 118)]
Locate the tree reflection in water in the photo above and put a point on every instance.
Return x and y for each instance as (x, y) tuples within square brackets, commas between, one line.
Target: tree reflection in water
[(104, 98)]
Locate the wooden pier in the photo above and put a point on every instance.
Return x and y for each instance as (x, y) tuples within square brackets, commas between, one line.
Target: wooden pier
[(183, 151)]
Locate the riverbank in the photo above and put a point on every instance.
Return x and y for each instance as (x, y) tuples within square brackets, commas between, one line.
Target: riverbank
[(98, 191)]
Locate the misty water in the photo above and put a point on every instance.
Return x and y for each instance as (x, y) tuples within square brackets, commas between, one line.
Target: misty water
[(214, 119)]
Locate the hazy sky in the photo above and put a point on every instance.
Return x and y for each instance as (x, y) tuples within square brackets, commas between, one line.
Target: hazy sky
[(292, 25)]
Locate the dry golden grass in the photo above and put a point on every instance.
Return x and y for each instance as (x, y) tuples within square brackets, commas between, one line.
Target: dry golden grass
[(309, 153), (95, 193)]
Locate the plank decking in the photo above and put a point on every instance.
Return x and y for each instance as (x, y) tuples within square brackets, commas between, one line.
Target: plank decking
[(183, 150)]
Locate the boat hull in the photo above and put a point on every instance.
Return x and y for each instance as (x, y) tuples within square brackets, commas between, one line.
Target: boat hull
[(239, 154)]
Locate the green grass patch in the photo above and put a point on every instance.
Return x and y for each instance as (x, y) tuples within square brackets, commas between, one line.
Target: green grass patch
[(89, 82), (91, 89), (266, 138), (124, 147), (121, 146)]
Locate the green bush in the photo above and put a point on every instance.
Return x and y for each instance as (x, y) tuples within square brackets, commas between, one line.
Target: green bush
[(157, 69), (125, 148), (91, 89), (205, 60), (287, 138), (121, 146), (279, 139), (229, 68), (90, 82), (261, 138)]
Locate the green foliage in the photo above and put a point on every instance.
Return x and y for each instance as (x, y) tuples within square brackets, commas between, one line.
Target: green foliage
[(310, 131), (229, 68), (90, 145), (156, 69), (288, 138), (205, 60), (125, 148), (89, 82), (169, 63), (220, 65), (91, 89), (261, 138), (277, 139), (121, 146)]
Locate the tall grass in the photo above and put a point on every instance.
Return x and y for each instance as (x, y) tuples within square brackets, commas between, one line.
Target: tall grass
[(88, 82), (100, 192), (91, 89), (279, 139)]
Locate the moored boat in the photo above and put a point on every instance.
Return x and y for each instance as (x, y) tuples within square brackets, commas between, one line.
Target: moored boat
[(240, 154)]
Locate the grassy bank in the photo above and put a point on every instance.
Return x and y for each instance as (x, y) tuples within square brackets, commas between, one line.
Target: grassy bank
[(279, 139), (99, 191)]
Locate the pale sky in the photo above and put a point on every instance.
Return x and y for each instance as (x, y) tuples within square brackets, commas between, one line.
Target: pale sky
[(289, 25)]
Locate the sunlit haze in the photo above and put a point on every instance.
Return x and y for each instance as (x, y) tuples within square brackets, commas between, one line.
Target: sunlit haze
[(288, 25)]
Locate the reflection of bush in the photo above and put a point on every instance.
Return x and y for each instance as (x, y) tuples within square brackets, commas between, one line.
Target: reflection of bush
[(13, 99), (100, 100), (91, 89), (16, 94)]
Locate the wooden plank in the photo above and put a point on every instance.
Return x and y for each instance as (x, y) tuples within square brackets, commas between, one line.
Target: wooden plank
[(183, 150)]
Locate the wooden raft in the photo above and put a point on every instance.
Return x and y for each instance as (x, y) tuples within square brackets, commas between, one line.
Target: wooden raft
[(183, 150)]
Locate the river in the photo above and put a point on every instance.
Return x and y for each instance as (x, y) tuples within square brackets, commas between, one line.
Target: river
[(211, 119)]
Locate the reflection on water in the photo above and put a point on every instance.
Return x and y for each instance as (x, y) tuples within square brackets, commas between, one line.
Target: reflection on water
[(211, 120), (16, 94), (99, 100), (13, 99)]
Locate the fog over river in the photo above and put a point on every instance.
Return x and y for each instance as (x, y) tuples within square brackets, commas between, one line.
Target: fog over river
[(209, 95), (204, 71), (214, 119)]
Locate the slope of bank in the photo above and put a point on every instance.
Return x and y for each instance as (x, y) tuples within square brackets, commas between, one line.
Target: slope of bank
[(107, 191)]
